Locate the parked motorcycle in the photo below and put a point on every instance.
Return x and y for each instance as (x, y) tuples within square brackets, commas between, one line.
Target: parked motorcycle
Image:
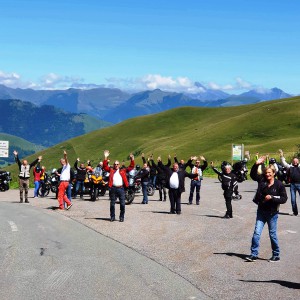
[(4, 180), (135, 186), (54, 179), (96, 183), (282, 174), (240, 170), (45, 187)]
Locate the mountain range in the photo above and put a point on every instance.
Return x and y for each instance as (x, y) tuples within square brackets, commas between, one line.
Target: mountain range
[(114, 105), (44, 125)]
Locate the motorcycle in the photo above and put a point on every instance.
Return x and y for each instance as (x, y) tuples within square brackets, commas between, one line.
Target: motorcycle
[(96, 184), (240, 170), (45, 186), (135, 186), (54, 179), (4, 180), (282, 174)]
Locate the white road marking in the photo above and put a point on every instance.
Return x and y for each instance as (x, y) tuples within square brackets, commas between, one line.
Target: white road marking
[(291, 231), (13, 226)]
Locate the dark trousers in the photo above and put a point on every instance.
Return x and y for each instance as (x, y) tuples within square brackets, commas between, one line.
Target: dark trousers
[(175, 200), (228, 199), (117, 192), (162, 190), (195, 184)]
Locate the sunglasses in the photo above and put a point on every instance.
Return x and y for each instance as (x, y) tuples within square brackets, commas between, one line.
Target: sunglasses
[(116, 164)]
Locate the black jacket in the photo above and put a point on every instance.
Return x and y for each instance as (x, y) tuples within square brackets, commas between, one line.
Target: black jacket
[(143, 174), (81, 172), (229, 181), (277, 191), (181, 176), (161, 173)]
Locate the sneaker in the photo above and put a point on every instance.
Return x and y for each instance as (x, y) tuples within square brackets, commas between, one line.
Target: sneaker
[(274, 259), (69, 206), (251, 258)]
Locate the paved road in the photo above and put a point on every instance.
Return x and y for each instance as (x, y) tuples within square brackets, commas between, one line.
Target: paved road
[(48, 256), (198, 245)]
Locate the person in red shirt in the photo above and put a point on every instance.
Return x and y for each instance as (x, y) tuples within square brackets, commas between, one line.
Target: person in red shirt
[(37, 173), (116, 183)]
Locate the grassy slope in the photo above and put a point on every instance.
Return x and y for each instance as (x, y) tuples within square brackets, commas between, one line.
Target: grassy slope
[(17, 141), (263, 127)]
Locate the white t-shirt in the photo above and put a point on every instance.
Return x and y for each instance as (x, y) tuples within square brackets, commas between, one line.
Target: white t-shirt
[(65, 173), (174, 181), (117, 179)]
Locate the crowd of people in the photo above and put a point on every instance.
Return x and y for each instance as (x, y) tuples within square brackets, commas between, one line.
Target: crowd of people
[(170, 177)]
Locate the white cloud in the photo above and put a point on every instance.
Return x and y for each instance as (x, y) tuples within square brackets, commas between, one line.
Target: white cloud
[(179, 84), (239, 84), (156, 81)]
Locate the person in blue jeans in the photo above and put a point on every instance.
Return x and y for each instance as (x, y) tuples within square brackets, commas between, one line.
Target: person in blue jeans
[(293, 172), (196, 182), (269, 195), (144, 176)]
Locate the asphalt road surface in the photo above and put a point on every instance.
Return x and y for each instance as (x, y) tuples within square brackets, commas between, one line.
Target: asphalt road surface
[(75, 254)]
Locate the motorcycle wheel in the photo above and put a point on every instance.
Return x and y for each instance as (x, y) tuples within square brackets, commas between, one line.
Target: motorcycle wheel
[(129, 196), (46, 191), (150, 189), (94, 194), (54, 189), (102, 191), (2, 188)]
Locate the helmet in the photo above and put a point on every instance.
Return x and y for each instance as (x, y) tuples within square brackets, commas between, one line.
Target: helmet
[(272, 161), (53, 171), (137, 167)]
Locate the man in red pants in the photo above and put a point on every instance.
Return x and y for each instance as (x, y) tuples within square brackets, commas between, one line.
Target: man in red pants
[(64, 182)]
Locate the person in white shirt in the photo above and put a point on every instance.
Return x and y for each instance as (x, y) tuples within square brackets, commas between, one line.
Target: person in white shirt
[(64, 183), (175, 184)]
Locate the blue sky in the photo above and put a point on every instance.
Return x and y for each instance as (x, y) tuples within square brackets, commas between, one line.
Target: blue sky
[(135, 45)]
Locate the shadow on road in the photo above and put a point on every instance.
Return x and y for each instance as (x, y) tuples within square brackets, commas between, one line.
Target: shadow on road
[(103, 219), (161, 212), (213, 216), (288, 284), (239, 255), (285, 214)]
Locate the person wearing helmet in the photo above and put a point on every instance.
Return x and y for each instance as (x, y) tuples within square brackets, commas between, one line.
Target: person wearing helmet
[(273, 162), (229, 186)]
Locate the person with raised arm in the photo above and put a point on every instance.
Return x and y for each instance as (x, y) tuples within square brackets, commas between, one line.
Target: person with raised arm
[(117, 182)]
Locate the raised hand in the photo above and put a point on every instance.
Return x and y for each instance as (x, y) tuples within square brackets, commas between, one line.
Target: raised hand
[(106, 153)]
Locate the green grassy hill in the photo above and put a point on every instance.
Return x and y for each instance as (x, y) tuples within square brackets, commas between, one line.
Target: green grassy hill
[(24, 147), (263, 127)]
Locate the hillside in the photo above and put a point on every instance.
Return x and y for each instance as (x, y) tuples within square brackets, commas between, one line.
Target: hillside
[(44, 125), (24, 148), (186, 131)]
